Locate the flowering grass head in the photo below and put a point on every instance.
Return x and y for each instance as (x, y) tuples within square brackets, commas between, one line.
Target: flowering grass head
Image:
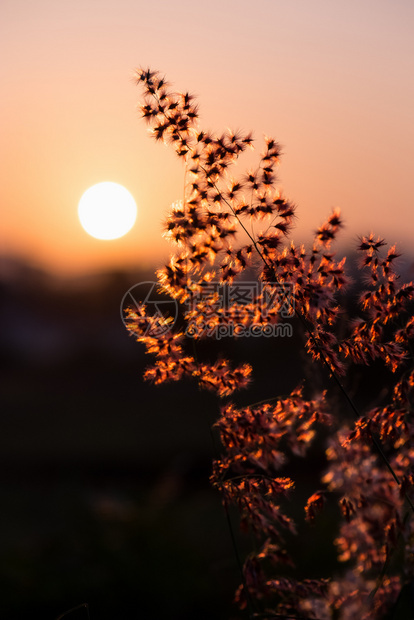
[(224, 227)]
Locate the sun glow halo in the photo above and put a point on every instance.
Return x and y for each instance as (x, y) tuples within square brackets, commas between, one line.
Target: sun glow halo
[(107, 211)]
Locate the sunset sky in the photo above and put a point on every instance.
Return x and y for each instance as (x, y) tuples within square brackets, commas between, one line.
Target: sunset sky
[(332, 80)]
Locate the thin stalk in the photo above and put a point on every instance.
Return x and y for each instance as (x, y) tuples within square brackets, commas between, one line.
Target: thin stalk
[(85, 605), (216, 452)]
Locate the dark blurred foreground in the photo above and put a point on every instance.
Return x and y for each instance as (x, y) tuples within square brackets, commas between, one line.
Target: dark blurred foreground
[(104, 485)]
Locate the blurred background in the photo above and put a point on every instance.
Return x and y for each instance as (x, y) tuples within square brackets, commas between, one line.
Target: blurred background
[(104, 479), (104, 487), (330, 81)]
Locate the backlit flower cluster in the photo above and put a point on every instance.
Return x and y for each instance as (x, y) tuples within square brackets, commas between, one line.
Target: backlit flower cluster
[(223, 226)]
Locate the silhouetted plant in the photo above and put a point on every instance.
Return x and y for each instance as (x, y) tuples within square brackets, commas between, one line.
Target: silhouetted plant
[(222, 227)]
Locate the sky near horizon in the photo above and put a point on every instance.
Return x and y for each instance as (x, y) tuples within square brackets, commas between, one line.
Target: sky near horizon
[(331, 80)]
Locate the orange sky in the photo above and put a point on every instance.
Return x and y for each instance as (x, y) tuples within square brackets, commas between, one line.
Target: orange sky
[(332, 81)]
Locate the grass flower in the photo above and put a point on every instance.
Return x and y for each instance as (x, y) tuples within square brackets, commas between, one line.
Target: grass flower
[(224, 226)]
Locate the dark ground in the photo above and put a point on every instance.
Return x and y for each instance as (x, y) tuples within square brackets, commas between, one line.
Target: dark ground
[(104, 488)]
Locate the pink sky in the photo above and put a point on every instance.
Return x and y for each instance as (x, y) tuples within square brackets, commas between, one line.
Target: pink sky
[(332, 81)]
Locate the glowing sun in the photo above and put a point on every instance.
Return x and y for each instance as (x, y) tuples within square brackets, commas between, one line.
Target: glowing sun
[(107, 211)]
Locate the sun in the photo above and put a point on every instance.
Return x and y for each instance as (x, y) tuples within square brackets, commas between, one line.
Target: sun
[(107, 211)]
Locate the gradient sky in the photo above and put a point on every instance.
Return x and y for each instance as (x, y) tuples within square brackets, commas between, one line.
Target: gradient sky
[(332, 80)]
